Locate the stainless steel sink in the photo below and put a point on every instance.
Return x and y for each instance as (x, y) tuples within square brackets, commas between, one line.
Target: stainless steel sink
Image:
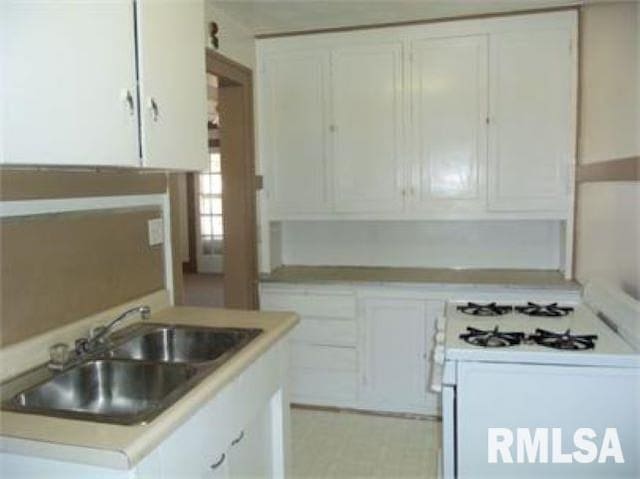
[(144, 370), (183, 344)]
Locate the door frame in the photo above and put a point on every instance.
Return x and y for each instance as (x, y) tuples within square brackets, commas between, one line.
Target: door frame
[(237, 148)]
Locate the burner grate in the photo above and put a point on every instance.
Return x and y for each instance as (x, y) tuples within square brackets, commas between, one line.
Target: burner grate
[(551, 310), (490, 309), (564, 341), (493, 338)]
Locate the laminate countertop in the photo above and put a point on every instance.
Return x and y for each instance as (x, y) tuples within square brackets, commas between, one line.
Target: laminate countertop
[(121, 447), (528, 278)]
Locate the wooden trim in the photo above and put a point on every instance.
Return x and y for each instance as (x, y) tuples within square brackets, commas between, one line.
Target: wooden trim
[(174, 206), (226, 69), (624, 169), (427, 21), (31, 184), (192, 265)]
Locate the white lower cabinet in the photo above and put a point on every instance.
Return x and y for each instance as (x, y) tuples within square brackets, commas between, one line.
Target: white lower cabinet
[(358, 349)]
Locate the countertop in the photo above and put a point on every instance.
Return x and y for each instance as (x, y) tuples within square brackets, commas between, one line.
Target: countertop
[(348, 274), (121, 447)]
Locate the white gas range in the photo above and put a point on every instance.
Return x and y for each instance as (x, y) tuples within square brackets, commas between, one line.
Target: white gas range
[(535, 388)]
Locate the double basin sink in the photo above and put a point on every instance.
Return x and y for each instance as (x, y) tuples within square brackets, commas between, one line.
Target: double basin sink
[(140, 372)]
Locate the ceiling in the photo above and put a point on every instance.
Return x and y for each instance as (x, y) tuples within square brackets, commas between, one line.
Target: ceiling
[(277, 16)]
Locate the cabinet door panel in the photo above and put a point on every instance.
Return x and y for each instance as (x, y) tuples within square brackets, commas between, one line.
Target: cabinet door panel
[(173, 77), (530, 134), (367, 107), (67, 68), (396, 372), (449, 85), (295, 131)]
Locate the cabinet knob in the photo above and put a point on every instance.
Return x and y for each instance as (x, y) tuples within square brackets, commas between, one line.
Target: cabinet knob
[(128, 98), (155, 111), (220, 461)]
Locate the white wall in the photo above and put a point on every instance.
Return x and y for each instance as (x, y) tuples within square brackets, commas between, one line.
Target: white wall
[(437, 244), (610, 81), (235, 41), (608, 216)]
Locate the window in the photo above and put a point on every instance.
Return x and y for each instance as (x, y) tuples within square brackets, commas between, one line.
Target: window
[(211, 228)]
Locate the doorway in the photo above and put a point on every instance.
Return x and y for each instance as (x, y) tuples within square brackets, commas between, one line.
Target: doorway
[(219, 253)]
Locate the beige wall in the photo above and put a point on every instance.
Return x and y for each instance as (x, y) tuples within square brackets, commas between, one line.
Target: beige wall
[(236, 42), (610, 68), (608, 213)]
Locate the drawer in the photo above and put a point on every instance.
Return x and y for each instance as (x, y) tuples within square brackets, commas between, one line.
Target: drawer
[(318, 387), (325, 358), (328, 305), (326, 331)]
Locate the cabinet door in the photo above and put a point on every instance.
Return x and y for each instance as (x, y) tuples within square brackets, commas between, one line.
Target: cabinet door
[(367, 139), (530, 136), (395, 373), (449, 101), (294, 131), (171, 44), (68, 86), (250, 453)]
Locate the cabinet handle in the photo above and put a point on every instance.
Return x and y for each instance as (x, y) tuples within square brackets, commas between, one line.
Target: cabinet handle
[(220, 461), (238, 439), (155, 111), (128, 97)]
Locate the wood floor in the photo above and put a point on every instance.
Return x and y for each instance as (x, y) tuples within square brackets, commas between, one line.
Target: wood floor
[(206, 290)]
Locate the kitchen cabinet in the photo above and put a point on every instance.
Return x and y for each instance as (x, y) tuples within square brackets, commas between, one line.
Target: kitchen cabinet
[(531, 133), (99, 84), (359, 348), (455, 120), (296, 131), (367, 129), (449, 98)]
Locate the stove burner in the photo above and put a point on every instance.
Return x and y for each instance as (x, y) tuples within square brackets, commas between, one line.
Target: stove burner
[(490, 309), (544, 310), (564, 340), (491, 338)]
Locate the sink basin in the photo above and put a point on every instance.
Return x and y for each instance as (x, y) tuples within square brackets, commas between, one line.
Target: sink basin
[(179, 344), (120, 391)]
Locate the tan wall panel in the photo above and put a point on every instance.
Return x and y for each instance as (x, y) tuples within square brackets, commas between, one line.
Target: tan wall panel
[(55, 269)]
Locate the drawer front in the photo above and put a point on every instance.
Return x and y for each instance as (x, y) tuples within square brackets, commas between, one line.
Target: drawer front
[(324, 331), (337, 306), (312, 386), (324, 358)]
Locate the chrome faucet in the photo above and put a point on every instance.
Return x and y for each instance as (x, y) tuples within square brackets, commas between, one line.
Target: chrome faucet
[(85, 345)]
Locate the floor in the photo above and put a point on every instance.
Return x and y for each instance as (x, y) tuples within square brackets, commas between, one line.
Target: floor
[(204, 290), (350, 445)]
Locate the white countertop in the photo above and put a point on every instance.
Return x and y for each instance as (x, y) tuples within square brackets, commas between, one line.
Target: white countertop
[(121, 447)]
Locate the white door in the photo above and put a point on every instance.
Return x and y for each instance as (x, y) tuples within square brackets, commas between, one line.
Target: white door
[(395, 375), (530, 134), (449, 103), (173, 94), (367, 129), (68, 87), (295, 131), (250, 453)]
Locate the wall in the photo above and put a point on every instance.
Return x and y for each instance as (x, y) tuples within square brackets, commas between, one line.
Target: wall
[(235, 41), (608, 213), (58, 268), (437, 244)]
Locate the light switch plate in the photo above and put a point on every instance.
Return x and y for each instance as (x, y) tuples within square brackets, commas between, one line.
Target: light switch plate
[(156, 231)]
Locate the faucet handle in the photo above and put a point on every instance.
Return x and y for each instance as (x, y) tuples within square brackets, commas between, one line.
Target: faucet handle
[(59, 355), (145, 312), (81, 345)]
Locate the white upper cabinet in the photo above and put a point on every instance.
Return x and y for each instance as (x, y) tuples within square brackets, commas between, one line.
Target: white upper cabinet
[(70, 92), (449, 101), (367, 129), (173, 93), (470, 119), (296, 131), (531, 132), (69, 83)]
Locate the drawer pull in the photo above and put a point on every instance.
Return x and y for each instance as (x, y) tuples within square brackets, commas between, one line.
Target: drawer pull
[(238, 439), (220, 461)]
